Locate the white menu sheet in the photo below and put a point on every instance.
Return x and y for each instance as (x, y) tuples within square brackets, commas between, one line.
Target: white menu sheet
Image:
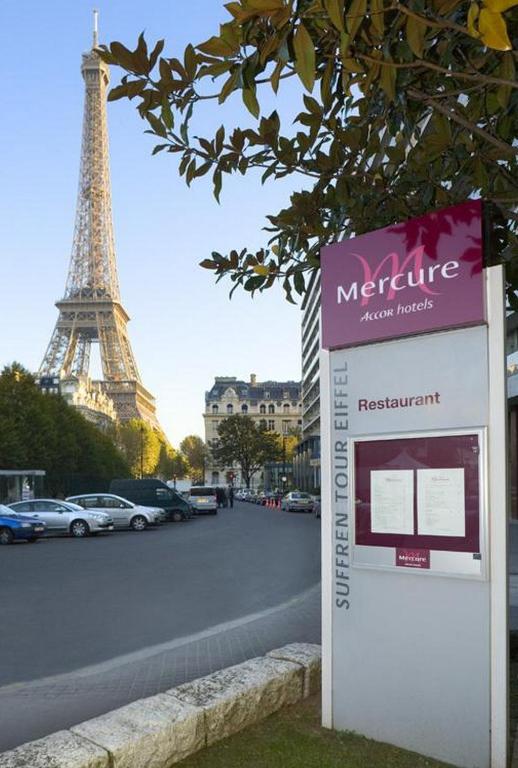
[(392, 501), (440, 502)]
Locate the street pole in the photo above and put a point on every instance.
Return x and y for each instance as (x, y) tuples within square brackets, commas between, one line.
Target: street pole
[(284, 464), (141, 451)]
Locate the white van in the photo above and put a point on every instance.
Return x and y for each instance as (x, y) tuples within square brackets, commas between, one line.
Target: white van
[(203, 499)]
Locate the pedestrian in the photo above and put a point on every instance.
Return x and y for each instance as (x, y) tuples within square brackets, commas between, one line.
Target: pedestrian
[(231, 496)]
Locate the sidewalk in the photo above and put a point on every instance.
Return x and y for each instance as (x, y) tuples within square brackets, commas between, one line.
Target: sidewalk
[(32, 710)]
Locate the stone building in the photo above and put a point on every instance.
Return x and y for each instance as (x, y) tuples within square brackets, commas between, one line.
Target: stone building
[(275, 405)]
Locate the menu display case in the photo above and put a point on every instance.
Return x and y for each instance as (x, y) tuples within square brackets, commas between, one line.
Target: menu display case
[(419, 502)]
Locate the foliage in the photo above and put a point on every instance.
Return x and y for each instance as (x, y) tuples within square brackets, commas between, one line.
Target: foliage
[(195, 453), (41, 431), (408, 107), (171, 463), (287, 444), (242, 442), (147, 450)]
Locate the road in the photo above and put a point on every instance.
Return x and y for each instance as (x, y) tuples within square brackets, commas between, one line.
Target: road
[(91, 624)]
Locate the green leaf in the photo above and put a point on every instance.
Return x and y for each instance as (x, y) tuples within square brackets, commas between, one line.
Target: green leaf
[(155, 53), (304, 56), (415, 35), (388, 81), (215, 46), (250, 101), (355, 16), (335, 11), (118, 92), (229, 86), (299, 282), (378, 17), (157, 125), (217, 179), (208, 264), (124, 58)]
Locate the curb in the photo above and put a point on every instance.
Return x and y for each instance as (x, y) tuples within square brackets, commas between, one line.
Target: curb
[(161, 730)]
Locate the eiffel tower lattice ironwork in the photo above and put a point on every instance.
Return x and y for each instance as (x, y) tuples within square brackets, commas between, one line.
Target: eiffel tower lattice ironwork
[(91, 310)]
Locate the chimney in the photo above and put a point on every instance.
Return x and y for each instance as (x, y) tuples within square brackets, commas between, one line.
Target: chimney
[(253, 379)]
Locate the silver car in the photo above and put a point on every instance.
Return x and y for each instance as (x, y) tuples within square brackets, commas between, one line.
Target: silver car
[(64, 517), (297, 501), (125, 514)]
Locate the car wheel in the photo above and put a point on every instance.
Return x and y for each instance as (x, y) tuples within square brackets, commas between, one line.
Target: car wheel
[(79, 529), (138, 523), (6, 536), (177, 517)]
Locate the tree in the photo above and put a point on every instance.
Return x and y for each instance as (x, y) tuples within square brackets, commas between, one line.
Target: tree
[(171, 463), (408, 107), (41, 431), (142, 446), (195, 452), (243, 443)]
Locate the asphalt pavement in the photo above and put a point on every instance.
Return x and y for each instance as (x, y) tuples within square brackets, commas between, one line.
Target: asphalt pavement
[(89, 625)]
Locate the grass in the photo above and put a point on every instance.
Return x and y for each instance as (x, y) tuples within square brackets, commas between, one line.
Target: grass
[(293, 738)]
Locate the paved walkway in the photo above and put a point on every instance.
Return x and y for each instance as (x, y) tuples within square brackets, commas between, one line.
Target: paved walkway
[(31, 710)]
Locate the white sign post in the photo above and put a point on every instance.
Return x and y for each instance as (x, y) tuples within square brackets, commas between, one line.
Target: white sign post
[(414, 501)]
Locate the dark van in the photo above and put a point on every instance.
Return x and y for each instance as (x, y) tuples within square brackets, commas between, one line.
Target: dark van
[(153, 493)]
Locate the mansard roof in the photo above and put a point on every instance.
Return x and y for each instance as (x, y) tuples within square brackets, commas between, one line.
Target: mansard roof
[(256, 391)]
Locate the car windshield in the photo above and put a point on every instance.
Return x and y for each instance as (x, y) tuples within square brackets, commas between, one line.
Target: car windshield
[(300, 496), (203, 491), (70, 505)]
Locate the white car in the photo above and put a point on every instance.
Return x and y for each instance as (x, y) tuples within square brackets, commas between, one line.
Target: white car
[(203, 499), (125, 514), (64, 517)]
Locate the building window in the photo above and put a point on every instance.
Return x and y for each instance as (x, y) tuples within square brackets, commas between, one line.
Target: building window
[(271, 408), (262, 424), (286, 407), (262, 408), (244, 409), (215, 409), (285, 427), (299, 422), (230, 408), (267, 395), (271, 424), (215, 478)]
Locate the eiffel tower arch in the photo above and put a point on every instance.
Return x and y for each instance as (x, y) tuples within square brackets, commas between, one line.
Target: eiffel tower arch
[(91, 311)]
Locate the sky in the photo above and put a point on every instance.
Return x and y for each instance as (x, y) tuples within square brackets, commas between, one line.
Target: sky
[(184, 329)]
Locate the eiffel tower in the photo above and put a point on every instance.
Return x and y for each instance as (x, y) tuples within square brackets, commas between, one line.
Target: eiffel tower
[(91, 310)]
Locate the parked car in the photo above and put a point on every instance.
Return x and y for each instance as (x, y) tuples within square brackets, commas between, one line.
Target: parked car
[(297, 501), (15, 527), (64, 517), (125, 513), (317, 507), (204, 499), (153, 493)]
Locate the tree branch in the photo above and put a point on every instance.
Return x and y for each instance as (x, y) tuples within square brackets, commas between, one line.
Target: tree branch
[(452, 114)]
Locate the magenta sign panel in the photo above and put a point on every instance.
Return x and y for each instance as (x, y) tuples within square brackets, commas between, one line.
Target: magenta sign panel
[(419, 276)]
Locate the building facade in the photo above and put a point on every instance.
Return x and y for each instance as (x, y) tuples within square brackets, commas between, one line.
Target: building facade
[(274, 405), (306, 462)]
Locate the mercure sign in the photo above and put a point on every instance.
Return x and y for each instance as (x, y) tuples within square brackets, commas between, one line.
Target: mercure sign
[(419, 276)]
